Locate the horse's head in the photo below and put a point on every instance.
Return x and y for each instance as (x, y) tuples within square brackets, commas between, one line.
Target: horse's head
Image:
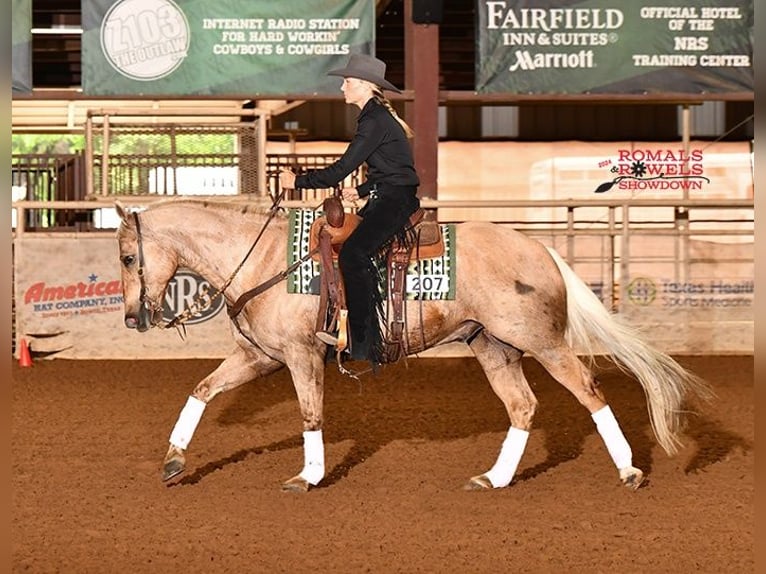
[(146, 268)]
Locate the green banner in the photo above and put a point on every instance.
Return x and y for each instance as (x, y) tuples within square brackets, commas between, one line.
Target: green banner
[(21, 48), (226, 47), (615, 47)]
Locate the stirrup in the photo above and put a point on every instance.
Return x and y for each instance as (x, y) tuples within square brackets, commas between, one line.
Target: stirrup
[(342, 342), (327, 338)]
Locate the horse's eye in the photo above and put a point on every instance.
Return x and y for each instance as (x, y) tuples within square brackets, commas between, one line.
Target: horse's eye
[(128, 260)]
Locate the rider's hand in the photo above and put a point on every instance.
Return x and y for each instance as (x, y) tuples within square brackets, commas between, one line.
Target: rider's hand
[(287, 179), (350, 193)]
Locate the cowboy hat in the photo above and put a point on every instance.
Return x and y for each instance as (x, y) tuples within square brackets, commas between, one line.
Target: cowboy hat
[(368, 68)]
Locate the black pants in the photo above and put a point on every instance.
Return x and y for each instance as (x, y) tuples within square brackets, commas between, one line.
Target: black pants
[(384, 217)]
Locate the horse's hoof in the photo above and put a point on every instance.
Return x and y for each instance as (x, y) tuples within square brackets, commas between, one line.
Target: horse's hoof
[(296, 484), (172, 468), (480, 482), (631, 477)]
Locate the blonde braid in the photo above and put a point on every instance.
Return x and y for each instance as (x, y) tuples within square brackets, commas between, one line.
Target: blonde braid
[(383, 100)]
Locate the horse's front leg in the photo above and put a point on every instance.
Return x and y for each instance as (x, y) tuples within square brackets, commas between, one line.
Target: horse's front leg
[(307, 367), (238, 368)]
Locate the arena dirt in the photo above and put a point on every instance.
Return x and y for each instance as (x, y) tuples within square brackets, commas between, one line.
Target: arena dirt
[(88, 438)]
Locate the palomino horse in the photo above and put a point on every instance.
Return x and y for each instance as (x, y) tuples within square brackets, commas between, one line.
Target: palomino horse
[(513, 296)]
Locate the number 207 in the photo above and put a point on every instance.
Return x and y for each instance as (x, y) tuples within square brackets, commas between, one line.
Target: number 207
[(426, 284)]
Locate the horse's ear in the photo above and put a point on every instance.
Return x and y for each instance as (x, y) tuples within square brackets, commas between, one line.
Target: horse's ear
[(122, 211)]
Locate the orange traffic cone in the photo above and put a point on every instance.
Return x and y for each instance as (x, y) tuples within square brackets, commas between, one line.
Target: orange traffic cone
[(25, 359)]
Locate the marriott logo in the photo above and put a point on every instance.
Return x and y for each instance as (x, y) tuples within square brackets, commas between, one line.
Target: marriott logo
[(525, 60)]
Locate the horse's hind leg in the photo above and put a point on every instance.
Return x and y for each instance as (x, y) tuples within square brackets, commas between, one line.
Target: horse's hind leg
[(502, 365), (563, 365), (238, 368)]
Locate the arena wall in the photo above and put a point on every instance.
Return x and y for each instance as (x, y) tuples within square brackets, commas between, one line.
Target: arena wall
[(684, 276)]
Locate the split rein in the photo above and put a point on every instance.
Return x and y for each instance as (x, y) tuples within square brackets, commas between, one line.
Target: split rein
[(204, 300)]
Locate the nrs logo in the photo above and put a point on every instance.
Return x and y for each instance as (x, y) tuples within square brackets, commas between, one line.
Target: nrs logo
[(182, 292)]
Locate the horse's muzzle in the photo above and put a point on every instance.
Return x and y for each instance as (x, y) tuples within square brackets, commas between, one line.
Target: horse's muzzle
[(132, 322), (142, 321)]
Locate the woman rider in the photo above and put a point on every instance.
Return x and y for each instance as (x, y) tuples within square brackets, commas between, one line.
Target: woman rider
[(380, 141)]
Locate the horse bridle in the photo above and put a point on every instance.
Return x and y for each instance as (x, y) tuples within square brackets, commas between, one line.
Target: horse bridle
[(205, 299), (151, 307)]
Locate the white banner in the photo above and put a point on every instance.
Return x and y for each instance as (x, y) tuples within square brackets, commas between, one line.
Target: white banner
[(69, 305)]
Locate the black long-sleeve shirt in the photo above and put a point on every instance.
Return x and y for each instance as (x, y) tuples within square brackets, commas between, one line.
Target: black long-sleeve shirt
[(381, 142)]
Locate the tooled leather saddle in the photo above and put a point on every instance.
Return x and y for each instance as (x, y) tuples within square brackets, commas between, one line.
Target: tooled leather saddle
[(326, 237)]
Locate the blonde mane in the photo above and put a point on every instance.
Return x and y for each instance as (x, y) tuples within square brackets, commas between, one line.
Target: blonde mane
[(224, 210), (218, 204)]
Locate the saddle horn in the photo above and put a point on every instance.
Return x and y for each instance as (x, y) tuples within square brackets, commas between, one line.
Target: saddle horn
[(333, 210)]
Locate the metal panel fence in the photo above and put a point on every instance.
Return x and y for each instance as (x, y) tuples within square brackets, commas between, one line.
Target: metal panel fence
[(687, 278), (155, 152), (49, 177)]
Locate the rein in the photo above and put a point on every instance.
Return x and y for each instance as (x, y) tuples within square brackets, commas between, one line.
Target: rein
[(235, 309)]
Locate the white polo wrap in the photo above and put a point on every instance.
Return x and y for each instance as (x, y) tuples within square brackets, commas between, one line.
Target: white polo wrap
[(615, 441), (313, 457), (187, 422), (501, 474)]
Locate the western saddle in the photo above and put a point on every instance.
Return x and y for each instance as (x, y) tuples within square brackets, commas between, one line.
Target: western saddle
[(327, 234)]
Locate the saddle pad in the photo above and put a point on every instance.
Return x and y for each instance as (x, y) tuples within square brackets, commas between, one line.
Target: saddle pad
[(427, 279)]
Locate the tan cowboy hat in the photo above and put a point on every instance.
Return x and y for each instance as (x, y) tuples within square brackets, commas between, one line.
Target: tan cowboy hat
[(368, 68)]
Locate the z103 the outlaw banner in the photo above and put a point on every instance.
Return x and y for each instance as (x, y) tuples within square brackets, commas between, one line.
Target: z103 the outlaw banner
[(615, 47), (226, 47)]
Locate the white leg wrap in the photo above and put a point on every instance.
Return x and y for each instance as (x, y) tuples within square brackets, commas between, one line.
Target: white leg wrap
[(187, 422), (615, 441), (501, 474), (313, 457)]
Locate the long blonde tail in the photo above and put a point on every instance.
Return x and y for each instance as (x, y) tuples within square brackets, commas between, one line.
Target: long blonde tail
[(593, 329)]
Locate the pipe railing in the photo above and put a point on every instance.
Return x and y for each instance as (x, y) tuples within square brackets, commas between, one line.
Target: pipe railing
[(616, 234)]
